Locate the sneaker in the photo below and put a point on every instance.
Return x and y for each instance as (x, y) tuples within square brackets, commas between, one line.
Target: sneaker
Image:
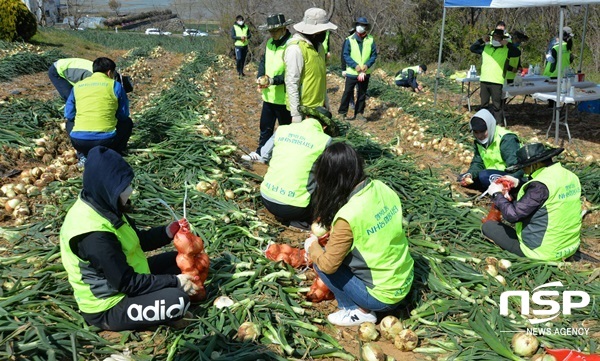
[(361, 118), (253, 157), (337, 316), (354, 317)]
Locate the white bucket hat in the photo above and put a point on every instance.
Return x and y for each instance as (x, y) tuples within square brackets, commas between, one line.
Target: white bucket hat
[(315, 21)]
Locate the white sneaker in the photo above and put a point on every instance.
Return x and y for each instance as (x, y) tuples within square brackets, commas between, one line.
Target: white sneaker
[(337, 316), (354, 318), (253, 157)]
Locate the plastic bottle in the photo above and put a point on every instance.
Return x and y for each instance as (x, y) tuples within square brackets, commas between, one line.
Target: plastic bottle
[(530, 71), (536, 69)]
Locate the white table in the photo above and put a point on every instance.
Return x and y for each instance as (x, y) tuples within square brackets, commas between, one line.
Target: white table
[(581, 94), (539, 86), (470, 92)]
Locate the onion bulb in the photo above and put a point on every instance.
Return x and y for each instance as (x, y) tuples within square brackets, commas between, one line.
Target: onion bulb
[(203, 186), (11, 204), (491, 260), (500, 279), (406, 340), (491, 270), (247, 332), (21, 210), (524, 344), (222, 302), (390, 326), (372, 352), (543, 357), (504, 264), (367, 332), (317, 229), (229, 194)]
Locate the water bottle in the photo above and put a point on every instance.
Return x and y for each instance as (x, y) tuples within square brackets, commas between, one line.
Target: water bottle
[(563, 86), (530, 71), (536, 69)]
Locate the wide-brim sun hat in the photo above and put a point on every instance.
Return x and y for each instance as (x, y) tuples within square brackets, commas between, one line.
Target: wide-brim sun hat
[(533, 153), (274, 22), (314, 21)]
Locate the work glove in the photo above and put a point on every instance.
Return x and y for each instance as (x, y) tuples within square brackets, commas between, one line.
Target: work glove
[(296, 119), (307, 243), (362, 77), (186, 283), (172, 229), (494, 188), (344, 73), (513, 180)]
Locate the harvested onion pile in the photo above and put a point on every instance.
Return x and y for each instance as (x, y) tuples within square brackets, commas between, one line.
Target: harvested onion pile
[(192, 258)]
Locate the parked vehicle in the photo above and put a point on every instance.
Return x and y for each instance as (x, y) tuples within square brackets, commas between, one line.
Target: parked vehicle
[(194, 32), (155, 31)]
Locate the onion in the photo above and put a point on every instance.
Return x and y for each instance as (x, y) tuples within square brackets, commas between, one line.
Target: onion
[(10, 193), (229, 194), (367, 332), (491, 270), (248, 331), (317, 229), (543, 357), (6, 187), (390, 326), (524, 344), (491, 260), (19, 188), (40, 151), (11, 204), (40, 142), (504, 264), (222, 302), (372, 352), (500, 279), (203, 186), (406, 340)]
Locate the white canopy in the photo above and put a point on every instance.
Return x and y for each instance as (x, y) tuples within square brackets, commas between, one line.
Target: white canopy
[(518, 4)]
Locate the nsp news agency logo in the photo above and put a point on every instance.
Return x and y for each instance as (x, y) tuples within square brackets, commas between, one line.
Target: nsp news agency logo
[(547, 298)]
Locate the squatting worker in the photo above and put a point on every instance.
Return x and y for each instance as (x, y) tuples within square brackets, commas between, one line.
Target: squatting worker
[(360, 54), (271, 79), (305, 69), (116, 287), (547, 210), (494, 150), (407, 77), (240, 33), (97, 111), (287, 188), (494, 63), (366, 262), (64, 73)]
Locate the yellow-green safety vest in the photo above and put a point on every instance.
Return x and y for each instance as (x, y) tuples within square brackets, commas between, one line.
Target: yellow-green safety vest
[(274, 65), (492, 156), (74, 70), (552, 232), (313, 79), (566, 61), (239, 32), (380, 254), (404, 73), (93, 293), (326, 42), (297, 146), (513, 63), (96, 104), (359, 57), (492, 64)]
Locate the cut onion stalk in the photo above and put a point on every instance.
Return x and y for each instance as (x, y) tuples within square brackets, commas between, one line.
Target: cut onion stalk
[(372, 352), (367, 332), (524, 344), (406, 340)]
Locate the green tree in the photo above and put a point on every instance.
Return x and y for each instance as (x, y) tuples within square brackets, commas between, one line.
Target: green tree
[(16, 21)]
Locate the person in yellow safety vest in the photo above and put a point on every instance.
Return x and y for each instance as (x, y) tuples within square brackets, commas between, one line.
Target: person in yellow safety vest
[(115, 286), (240, 33), (97, 111), (360, 53), (551, 68), (270, 80), (326, 45), (514, 64), (305, 69), (287, 188), (63, 73), (494, 64), (407, 77), (546, 212), (494, 149), (366, 262)]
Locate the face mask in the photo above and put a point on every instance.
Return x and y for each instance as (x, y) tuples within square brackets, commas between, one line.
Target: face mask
[(360, 29), (240, 23), (123, 197), (496, 43), (482, 141)]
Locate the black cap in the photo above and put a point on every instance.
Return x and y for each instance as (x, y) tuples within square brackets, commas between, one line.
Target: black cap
[(423, 67), (478, 124)]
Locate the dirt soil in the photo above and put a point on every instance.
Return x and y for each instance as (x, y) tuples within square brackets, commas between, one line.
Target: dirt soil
[(238, 106)]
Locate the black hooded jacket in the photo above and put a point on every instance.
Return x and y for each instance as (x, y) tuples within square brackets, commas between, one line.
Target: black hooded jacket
[(105, 177)]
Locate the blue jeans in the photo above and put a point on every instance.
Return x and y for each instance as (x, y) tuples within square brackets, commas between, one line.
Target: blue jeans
[(350, 292)]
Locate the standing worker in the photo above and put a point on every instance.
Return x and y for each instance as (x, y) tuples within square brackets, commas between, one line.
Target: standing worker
[(116, 287), (551, 68), (271, 79), (305, 69), (64, 73), (407, 77), (546, 213), (240, 34), (494, 63), (359, 53), (514, 63), (366, 262)]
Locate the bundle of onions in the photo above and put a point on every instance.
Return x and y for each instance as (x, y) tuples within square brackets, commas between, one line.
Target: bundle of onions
[(192, 258), (319, 291), (295, 257), (494, 213)]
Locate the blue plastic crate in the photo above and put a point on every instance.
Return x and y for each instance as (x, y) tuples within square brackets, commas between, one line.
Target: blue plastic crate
[(590, 106)]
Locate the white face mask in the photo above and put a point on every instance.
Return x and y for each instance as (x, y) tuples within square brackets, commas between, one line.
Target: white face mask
[(360, 29), (496, 43), (483, 141), (240, 23), (125, 195)]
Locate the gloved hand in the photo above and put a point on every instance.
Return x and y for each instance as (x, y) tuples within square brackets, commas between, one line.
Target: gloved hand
[(296, 119), (465, 179), (344, 73), (172, 229), (513, 180), (186, 283), (494, 188), (309, 241), (362, 77)]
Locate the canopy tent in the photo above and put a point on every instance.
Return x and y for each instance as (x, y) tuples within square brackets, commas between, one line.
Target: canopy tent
[(520, 4)]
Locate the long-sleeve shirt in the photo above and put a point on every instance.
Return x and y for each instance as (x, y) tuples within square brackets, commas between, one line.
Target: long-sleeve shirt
[(329, 259), (122, 109), (478, 46), (508, 149), (234, 37), (351, 62), (536, 194), (411, 78), (278, 79)]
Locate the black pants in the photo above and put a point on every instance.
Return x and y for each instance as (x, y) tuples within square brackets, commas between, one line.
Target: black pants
[(361, 97), (300, 217), (269, 115), (61, 84), (118, 143), (151, 309), (503, 235), (493, 92), (240, 58)]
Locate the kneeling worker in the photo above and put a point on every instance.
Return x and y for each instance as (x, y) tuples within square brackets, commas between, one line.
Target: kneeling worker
[(407, 77)]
